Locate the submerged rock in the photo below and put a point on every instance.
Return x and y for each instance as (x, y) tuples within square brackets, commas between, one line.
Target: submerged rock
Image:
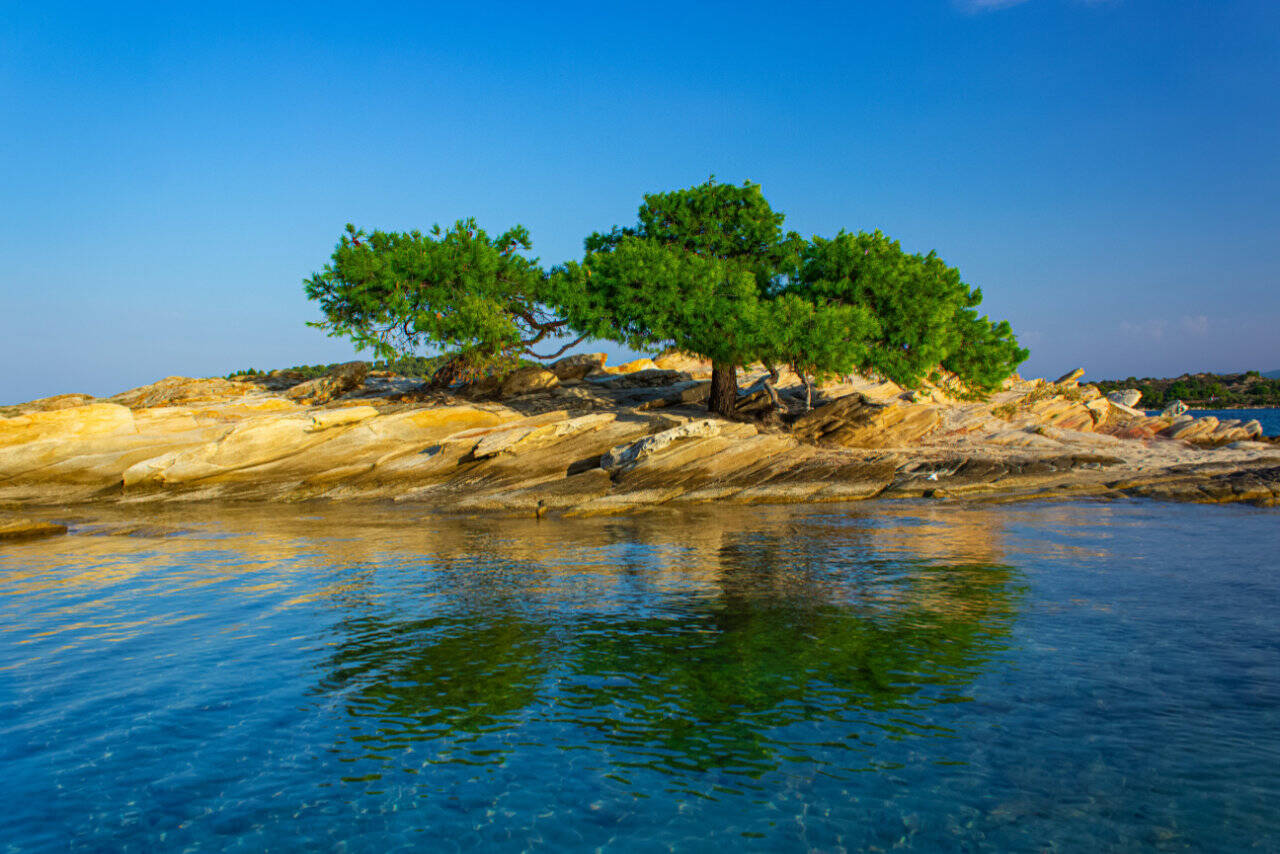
[(20, 528)]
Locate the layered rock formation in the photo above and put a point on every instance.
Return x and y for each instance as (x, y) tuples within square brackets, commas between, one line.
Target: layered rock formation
[(583, 438)]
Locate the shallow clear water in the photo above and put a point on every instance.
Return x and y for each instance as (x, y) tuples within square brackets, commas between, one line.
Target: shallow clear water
[(1075, 677)]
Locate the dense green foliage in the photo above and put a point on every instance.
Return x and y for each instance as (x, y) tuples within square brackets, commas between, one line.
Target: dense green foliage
[(923, 309), (473, 296), (648, 296), (732, 223), (707, 269), (1203, 391), (987, 352)]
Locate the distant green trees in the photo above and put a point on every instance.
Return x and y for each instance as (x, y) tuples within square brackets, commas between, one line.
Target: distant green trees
[(707, 269), (1202, 391)]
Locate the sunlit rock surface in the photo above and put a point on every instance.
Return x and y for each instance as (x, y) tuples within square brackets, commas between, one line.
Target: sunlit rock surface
[(585, 438)]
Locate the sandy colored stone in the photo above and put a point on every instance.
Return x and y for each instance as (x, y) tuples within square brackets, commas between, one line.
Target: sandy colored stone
[(602, 448), (674, 360), (855, 422), (527, 380), (1193, 430), (577, 366), (340, 417), (340, 380), (632, 367), (630, 455), (94, 419), (47, 404), (172, 391), (20, 528), (523, 438)]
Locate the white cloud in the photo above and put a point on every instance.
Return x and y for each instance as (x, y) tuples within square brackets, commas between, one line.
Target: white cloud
[(1197, 325), (1152, 330), (1155, 329)]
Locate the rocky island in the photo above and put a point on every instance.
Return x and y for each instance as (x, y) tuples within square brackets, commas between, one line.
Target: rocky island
[(584, 438), (791, 370)]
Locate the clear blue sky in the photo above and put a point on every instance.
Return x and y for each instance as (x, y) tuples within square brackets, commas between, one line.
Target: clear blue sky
[(1108, 172)]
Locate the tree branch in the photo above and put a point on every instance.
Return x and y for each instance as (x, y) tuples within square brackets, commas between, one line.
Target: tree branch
[(558, 352)]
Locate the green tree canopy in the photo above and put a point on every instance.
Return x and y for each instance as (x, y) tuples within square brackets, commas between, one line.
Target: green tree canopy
[(702, 270), (460, 291), (650, 296), (923, 308), (707, 269), (732, 223), (987, 352)]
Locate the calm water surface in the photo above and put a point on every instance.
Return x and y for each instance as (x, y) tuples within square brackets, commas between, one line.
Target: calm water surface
[(1069, 677)]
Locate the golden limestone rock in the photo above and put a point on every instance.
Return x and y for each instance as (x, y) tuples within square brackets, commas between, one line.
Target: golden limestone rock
[(674, 360), (853, 421), (528, 380), (20, 528), (577, 366), (340, 380), (95, 419), (172, 391), (632, 367)]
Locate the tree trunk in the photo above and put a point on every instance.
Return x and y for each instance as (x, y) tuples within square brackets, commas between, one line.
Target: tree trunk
[(724, 389), (771, 386)]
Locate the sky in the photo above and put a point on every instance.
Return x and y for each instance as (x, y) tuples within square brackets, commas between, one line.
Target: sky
[(1105, 171)]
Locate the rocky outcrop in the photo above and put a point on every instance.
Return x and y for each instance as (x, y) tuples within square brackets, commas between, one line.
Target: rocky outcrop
[(180, 391), (631, 367), (47, 404), (1174, 409), (674, 360), (577, 366), (1127, 398), (853, 421), (625, 457), (340, 380), (615, 441), (528, 380)]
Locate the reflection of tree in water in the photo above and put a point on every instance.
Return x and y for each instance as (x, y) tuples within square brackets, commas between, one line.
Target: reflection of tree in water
[(796, 629), (791, 639), (448, 676)]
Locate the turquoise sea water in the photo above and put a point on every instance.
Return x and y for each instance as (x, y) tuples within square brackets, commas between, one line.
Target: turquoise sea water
[(910, 676)]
